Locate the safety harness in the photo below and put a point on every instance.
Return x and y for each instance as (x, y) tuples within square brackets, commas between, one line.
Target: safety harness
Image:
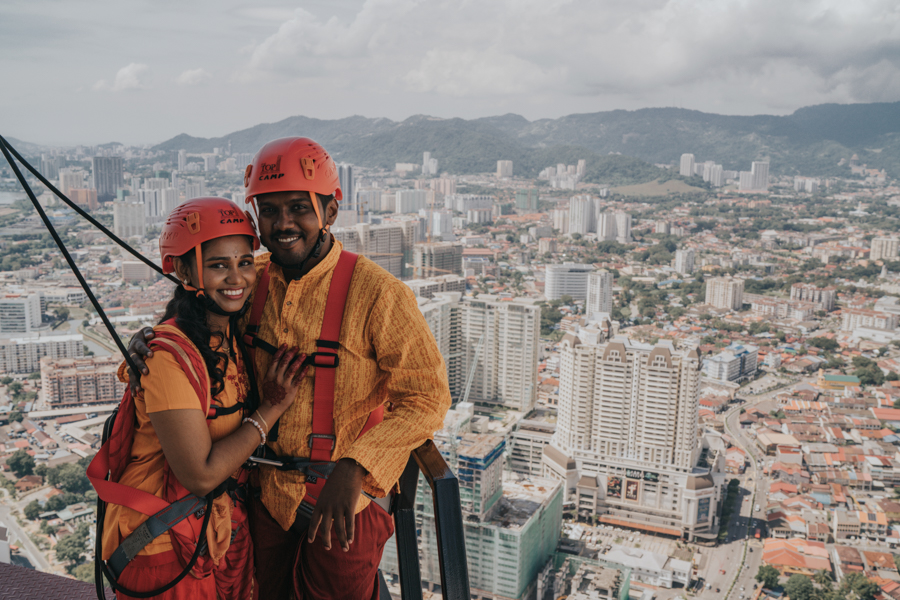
[(180, 512), (319, 465)]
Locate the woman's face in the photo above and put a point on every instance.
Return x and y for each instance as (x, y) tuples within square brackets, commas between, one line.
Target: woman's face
[(228, 272)]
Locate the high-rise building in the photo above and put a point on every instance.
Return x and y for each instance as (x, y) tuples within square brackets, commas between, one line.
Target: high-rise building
[(19, 313), (858, 318), (511, 525), (684, 261), (725, 292), (560, 218), (717, 176), (210, 162), (182, 160), (108, 176), (437, 258), (884, 248), (490, 347), (411, 201), (129, 219), (581, 215), (623, 228), (50, 165), (427, 288), (527, 200), (735, 363), (504, 168), (599, 292), (627, 440), (429, 165), (84, 197), (687, 165), (194, 187), (348, 209), (23, 354), (606, 227), (463, 203), (663, 227), (808, 292), (383, 244), (70, 179), (76, 381), (760, 171), (567, 279)]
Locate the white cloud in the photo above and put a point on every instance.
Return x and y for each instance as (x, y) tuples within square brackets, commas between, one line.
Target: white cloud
[(129, 77), (193, 77)]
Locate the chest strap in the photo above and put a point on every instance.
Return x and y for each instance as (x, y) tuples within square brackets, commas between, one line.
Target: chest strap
[(325, 359), (251, 333)]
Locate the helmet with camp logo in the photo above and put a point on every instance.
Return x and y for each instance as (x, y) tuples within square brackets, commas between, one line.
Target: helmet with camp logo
[(200, 220), (293, 164)]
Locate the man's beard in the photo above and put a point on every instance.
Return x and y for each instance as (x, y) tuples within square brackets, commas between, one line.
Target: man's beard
[(295, 265)]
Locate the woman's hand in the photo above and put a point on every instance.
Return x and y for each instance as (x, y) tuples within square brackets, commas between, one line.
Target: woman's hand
[(139, 350), (279, 388)]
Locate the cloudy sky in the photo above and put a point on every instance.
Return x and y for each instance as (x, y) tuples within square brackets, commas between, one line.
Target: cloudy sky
[(142, 71)]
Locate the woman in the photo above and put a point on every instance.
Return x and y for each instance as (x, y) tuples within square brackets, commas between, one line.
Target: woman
[(208, 243)]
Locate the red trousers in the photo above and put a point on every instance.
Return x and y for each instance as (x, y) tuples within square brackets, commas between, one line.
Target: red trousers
[(289, 567), (151, 572)]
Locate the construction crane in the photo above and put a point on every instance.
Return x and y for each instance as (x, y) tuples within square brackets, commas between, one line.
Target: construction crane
[(416, 268)]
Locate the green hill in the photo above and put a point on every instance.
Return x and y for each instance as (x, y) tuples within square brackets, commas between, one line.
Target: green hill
[(810, 142)]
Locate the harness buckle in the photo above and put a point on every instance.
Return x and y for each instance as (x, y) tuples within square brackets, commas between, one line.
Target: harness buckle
[(324, 436), (313, 359)]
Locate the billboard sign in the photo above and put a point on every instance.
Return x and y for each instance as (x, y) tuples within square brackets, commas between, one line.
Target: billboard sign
[(632, 490), (614, 487)]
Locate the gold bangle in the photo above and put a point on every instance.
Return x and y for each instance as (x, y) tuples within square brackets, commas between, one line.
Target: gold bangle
[(259, 414)]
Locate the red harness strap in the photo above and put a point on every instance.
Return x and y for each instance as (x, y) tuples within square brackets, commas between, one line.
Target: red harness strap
[(251, 334)]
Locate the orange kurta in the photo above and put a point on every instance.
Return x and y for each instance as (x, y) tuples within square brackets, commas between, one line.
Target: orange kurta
[(166, 387), (387, 354)]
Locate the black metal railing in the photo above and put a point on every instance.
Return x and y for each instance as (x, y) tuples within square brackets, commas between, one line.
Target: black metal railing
[(448, 521)]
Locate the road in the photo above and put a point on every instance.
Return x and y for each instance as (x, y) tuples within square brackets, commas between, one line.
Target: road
[(741, 548), (24, 542)]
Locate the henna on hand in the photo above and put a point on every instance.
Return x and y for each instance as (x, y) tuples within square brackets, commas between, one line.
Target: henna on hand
[(273, 392)]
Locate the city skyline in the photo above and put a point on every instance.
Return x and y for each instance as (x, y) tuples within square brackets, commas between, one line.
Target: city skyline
[(394, 59)]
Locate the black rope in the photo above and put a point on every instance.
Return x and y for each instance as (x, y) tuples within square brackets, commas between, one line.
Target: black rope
[(4, 146), (85, 214)]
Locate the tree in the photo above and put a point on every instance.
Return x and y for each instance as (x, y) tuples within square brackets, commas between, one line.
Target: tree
[(21, 463), (104, 260), (768, 576), (16, 416), (823, 343), (892, 376), (72, 547), (55, 503), (823, 578), (864, 587), (799, 587), (84, 572), (70, 477), (32, 510), (35, 375)]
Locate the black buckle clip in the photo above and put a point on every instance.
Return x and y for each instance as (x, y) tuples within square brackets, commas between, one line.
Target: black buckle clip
[(311, 360), (326, 436)]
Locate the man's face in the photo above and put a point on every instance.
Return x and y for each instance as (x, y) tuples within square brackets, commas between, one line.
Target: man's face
[(288, 226)]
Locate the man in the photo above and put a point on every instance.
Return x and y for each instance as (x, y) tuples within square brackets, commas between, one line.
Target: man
[(387, 355)]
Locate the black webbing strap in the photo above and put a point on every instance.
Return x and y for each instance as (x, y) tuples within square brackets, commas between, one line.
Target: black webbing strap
[(82, 212), (5, 148), (151, 529)]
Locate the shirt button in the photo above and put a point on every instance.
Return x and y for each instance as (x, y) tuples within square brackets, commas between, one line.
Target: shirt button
[(288, 302), (285, 330)]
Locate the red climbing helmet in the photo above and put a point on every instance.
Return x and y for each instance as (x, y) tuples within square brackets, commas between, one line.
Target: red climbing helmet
[(293, 164)]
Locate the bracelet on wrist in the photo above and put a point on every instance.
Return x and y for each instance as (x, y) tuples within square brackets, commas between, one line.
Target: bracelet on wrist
[(255, 423), (259, 414)]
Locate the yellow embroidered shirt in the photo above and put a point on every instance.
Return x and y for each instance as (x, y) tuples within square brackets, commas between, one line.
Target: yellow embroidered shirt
[(387, 355)]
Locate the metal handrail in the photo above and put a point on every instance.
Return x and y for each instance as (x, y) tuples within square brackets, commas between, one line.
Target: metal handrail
[(448, 520)]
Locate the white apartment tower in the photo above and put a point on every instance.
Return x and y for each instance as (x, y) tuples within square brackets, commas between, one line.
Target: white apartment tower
[(581, 215), (567, 279), (884, 248), (490, 347), (623, 228), (629, 400), (599, 292), (19, 313), (606, 227), (129, 219), (504, 169), (725, 292), (687, 165), (684, 261), (627, 441)]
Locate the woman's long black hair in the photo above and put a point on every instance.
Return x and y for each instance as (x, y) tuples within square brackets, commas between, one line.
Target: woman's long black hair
[(191, 317)]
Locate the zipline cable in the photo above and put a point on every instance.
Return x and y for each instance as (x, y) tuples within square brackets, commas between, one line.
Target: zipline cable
[(83, 213), (5, 147)]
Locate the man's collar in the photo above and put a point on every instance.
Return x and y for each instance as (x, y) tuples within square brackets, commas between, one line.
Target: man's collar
[(326, 264)]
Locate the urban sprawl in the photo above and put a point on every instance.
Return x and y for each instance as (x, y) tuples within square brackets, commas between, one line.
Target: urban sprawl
[(686, 393)]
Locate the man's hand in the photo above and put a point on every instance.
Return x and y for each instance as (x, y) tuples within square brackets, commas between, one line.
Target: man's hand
[(138, 350), (337, 504)]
